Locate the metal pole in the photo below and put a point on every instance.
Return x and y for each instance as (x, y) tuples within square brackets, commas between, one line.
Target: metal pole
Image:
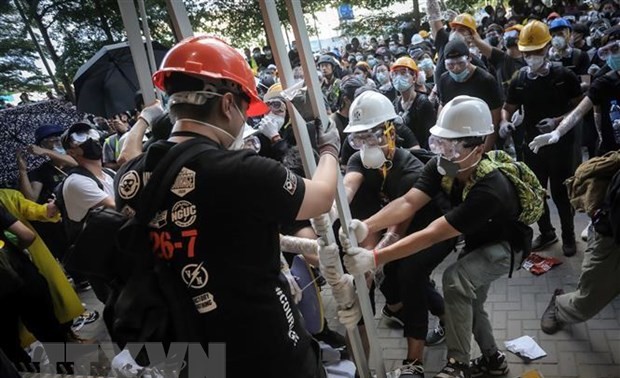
[(149, 42), (296, 18), (136, 45), (276, 41), (180, 20)]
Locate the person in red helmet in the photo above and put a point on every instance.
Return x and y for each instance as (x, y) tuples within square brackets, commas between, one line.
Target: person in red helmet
[(231, 202)]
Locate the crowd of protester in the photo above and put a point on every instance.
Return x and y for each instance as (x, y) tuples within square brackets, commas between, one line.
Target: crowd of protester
[(413, 117)]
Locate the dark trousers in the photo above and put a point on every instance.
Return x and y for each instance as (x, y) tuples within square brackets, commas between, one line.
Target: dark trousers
[(408, 281), (553, 165), (32, 304)]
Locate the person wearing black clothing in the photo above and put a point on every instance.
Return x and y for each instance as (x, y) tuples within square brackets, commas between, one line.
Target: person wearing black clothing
[(384, 84), (415, 109), (224, 242), (486, 216), (547, 92), (561, 51), (463, 78)]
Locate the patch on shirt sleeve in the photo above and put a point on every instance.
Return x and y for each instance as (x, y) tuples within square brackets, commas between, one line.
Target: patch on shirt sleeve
[(290, 185)]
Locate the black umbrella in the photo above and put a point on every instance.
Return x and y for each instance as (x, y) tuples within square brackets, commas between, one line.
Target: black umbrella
[(107, 84)]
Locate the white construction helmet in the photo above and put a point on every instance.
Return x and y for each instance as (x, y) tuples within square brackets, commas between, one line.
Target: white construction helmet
[(369, 110), (464, 116)]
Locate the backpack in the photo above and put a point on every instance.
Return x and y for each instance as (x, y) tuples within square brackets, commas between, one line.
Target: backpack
[(587, 188)]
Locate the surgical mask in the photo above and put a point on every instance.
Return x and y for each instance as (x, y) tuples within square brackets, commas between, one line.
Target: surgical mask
[(421, 80), (534, 61), (458, 36), (426, 64), (461, 76), (382, 77), (372, 62), (59, 150), (277, 118), (451, 168), (237, 143), (92, 149), (558, 42), (613, 61), (359, 58), (361, 77), (372, 157), (402, 83)]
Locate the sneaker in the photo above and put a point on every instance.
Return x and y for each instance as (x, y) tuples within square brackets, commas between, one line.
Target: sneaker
[(436, 335), (569, 248), (395, 316), (544, 240), (549, 322), (584, 233), (494, 366), (454, 369), (87, 317), (412, 368)]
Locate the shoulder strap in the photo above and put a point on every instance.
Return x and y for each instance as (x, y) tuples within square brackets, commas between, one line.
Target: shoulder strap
[(85, 172), (165, 174)]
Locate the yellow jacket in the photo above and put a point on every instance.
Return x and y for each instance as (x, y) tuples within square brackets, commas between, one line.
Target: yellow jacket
[(67, 304)]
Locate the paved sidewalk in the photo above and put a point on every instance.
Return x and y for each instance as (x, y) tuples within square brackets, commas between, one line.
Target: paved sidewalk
[(587, 350)]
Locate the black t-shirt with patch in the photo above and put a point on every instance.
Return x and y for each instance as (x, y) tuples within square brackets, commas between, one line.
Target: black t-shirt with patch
[(544, 97), (49, 177), (481, 84), (218, 231), (405, 172), (419, 118), (489, 211), (602, 91)]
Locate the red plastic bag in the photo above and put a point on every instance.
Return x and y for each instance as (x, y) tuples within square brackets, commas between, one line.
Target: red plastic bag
[(538, 264)]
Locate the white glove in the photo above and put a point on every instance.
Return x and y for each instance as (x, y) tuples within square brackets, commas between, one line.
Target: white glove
[(505, 129), (350, 317), (329, 255), (358, 228), (150, 113), (292, 283), (546, 125), (517, 117), (344, 291), (544, 140), (593, 69), (124, 365), (359, 260), (321, 224), (270, 125)]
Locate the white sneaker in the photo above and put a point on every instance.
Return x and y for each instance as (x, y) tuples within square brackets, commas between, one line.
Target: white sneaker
[(584, 233)]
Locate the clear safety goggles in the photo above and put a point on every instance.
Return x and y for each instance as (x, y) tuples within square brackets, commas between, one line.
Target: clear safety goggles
[(511, 34), (83, 136), (252, 143), (400, 72), (449, 148), (609, 49), (456, 63), (370, 138), (492, 33), (276, 105)]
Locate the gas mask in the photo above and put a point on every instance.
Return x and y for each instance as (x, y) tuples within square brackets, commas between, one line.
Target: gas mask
[(448, 150), (450, 168), (370, 144), (558, 42), (372, 157)]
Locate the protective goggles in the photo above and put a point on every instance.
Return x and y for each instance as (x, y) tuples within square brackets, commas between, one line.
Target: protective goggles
[(370, 138), (609, 49), (511, 34), (83, 136), (400, 72), (455, 63), (252, 143), (276, 105), (449, 148)]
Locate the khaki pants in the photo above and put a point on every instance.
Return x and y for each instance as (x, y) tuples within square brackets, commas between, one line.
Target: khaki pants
[(465, 287), (599, 282)]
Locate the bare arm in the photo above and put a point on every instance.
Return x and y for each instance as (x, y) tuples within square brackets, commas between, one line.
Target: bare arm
[(107, 202), (398, 211), (321, 190), (25, 236), (132, 146), (438, 231), (352, 182), (598, 122)]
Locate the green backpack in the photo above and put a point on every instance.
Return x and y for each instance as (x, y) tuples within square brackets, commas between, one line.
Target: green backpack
[(531, 193)]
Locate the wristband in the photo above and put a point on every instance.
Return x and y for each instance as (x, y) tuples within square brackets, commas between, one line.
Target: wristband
[(374, 255)]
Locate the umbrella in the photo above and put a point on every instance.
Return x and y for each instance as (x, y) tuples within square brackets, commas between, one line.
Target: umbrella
[(107, 83)]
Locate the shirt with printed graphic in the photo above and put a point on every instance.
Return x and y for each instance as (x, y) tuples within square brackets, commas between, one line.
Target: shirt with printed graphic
[(218, 230)]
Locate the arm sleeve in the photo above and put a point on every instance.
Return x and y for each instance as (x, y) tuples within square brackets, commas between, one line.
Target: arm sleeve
[(494, 92), (513, 97), (441, 40), (497, 57), (572, 84), (595, 92), (33, 211)]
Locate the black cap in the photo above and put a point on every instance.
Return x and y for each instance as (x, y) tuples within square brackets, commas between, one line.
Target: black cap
[(581, 29), (75, 128), (455, 48)]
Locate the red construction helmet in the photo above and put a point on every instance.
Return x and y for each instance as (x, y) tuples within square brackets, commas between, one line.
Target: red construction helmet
[(210, 57)]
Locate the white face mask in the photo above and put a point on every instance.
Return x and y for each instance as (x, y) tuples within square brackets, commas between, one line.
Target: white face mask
[(558, 42), (455, 35), (534, 61), (372, 157)]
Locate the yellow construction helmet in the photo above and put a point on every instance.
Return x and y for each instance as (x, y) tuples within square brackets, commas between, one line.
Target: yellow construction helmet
[(273, 91), (466, 20), (406, 62), (534, 36)]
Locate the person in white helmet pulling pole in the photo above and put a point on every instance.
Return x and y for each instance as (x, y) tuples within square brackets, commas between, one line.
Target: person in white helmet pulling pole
[(484, 209)]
